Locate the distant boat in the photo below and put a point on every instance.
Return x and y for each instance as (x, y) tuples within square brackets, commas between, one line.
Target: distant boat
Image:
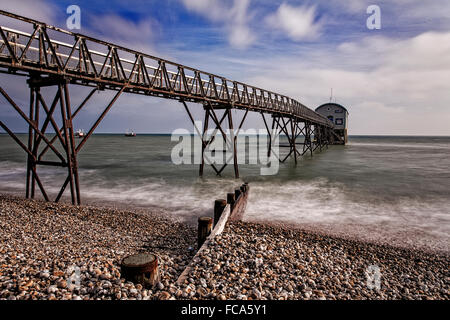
[(79, 133), (130, 133)]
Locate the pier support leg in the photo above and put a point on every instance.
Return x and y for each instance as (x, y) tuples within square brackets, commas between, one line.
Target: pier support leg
[(204, 144), (69, 144), (234, 143), (307, 144), (30, 144), (269, 133), (39, 144), (294, 138), (319, 137), (230, 139), (290, 128)]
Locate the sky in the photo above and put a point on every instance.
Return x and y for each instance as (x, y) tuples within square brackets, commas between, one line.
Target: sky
[(394, 80)]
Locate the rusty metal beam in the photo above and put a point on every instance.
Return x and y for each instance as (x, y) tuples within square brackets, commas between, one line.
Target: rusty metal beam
[(100, 118), (14, 105)]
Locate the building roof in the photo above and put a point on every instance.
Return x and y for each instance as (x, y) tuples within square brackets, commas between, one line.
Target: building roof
[(333, 104)]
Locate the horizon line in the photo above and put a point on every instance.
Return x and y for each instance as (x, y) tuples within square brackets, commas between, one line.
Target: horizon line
[(168, 134)]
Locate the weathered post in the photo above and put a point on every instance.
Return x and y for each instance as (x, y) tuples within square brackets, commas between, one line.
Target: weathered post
[(141, 268), (219, 206), (237, 193), (204, 229), (230, 200)]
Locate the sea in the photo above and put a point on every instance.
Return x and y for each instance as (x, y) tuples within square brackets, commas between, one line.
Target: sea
[(387, 189)]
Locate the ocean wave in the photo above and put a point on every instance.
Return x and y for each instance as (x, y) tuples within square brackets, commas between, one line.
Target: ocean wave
[(320, 202), (398, 145)]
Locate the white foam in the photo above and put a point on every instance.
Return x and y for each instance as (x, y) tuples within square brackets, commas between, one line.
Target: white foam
[(403, 145), (320, 202), (317, 201)]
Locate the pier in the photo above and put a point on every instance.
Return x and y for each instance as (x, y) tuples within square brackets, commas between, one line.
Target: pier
[(51, 57)]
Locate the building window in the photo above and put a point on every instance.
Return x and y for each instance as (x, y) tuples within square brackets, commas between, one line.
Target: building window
[(331, 118), (338, 111), (339, 121)]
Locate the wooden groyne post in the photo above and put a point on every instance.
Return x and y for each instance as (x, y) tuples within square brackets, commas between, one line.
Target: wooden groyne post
[(240, 202), (224, 210), (204, 229), (219, 206), (231, 199), (141, 268)]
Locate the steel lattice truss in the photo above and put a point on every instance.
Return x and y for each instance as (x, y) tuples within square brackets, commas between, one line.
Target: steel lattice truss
[(94, 62)]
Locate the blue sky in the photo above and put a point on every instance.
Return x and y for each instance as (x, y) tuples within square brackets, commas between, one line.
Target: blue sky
[(393, 80)]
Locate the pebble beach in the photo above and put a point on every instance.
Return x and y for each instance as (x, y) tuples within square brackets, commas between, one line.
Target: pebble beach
[(43, 243)]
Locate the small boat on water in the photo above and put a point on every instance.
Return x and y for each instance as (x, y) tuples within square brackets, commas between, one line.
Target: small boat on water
[(79, 133), (130, 133)]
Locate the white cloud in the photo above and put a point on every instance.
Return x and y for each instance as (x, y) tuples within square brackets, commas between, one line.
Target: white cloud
[(240, 34), (36, 9), (39, 10), (402, 87), (298, 23), (234, 18), (212, 9), (137, 35)]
